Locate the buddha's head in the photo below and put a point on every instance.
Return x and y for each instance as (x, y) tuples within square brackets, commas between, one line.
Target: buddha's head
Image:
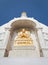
[(23, 30)]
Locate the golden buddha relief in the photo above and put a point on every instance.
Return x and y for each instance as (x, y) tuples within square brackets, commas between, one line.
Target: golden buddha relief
[(23, 38)]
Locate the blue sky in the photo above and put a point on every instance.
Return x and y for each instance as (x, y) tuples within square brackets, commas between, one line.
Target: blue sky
[(34, 8)]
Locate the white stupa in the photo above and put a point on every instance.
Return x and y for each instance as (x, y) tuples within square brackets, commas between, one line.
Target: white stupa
[(24, 37)]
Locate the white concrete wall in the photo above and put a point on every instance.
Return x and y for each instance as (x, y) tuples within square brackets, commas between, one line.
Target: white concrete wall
[(24, 61)]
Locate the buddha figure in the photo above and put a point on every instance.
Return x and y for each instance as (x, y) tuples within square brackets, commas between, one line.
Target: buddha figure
[(24, 34), (23, 38)]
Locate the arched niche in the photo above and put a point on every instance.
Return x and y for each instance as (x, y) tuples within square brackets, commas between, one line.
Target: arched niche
[(20, 24)]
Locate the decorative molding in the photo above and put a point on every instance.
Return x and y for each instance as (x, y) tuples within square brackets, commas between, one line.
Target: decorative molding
[(24, 48)]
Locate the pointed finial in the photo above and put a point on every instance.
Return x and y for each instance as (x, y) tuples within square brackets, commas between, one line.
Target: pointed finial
[(23, 14)]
